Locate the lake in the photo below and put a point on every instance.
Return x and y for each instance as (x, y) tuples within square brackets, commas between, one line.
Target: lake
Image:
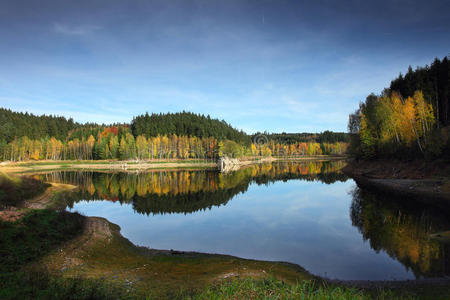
[(307, 213)]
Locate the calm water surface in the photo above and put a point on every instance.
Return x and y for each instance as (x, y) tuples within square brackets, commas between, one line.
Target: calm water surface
[(305, 213)]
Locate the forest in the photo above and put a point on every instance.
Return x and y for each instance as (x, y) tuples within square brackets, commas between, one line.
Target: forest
[(156, 136), (408, 120), (186, 124), (305, 137)]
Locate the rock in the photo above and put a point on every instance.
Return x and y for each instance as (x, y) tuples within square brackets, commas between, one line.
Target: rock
[(226, 164)]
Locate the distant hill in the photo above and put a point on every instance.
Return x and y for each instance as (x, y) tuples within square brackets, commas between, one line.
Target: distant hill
[(18, 124), (305, 137), (187, 124)]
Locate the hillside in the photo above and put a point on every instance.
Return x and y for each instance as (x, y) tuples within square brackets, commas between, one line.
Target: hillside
[(18, 124), (186, 124)]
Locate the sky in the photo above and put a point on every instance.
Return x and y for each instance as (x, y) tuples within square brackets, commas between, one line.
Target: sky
[(261, 65)]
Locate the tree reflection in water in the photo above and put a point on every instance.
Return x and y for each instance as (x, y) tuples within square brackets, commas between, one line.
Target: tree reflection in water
[(399, 228), (402, 229), (187, 191)]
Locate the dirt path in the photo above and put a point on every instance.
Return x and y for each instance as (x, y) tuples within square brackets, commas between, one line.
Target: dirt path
[(12, 214), (43, 201)]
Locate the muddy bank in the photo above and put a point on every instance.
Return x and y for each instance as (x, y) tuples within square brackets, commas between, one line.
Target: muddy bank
[(426, 182)]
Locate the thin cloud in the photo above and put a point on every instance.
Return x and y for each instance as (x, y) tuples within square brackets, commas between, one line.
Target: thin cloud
[(75, 30)]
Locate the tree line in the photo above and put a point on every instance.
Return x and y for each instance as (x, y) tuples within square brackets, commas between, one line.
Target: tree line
[(305, 137), (434, 82), (403, 123), (109, 145), (186, 124), (157, 136), (18, 124)]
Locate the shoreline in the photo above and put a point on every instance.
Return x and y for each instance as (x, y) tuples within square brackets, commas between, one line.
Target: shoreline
[(46, 165), (99, 229), (103, 230), (424, 182), (102, 252)]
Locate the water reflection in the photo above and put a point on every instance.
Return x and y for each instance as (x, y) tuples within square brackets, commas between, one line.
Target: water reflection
[(188, 191), (402, 229), (288, 211)]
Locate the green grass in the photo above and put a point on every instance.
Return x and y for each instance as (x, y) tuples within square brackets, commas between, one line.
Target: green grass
[(24, 243), (15, 190), (108, 267), (41, 285), (36, 234), (275, 289)]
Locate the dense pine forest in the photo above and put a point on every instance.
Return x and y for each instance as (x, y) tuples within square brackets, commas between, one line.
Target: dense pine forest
[(305, 137), (182, 135), (434, 82), (16, 124), (410, 119), (186, 124)]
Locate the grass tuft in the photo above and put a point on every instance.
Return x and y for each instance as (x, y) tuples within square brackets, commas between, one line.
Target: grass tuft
[(275, 289)]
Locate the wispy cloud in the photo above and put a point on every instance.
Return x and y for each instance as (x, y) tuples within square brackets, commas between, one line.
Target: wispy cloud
[(75, 29), (304, 68)]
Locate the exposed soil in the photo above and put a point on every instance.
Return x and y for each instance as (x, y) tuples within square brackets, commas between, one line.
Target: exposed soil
[(133, 166), (102, 252), (427, 182), (11, 214), (395, 169), (44, 200), (118, 166)]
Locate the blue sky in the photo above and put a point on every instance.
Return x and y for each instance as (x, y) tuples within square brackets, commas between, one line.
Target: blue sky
[(278, 65)]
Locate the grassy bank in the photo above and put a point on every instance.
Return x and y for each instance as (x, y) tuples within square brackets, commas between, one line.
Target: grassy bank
[(15, 190), (49, 254), (270, 288), (60, 255), (25, 241)]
